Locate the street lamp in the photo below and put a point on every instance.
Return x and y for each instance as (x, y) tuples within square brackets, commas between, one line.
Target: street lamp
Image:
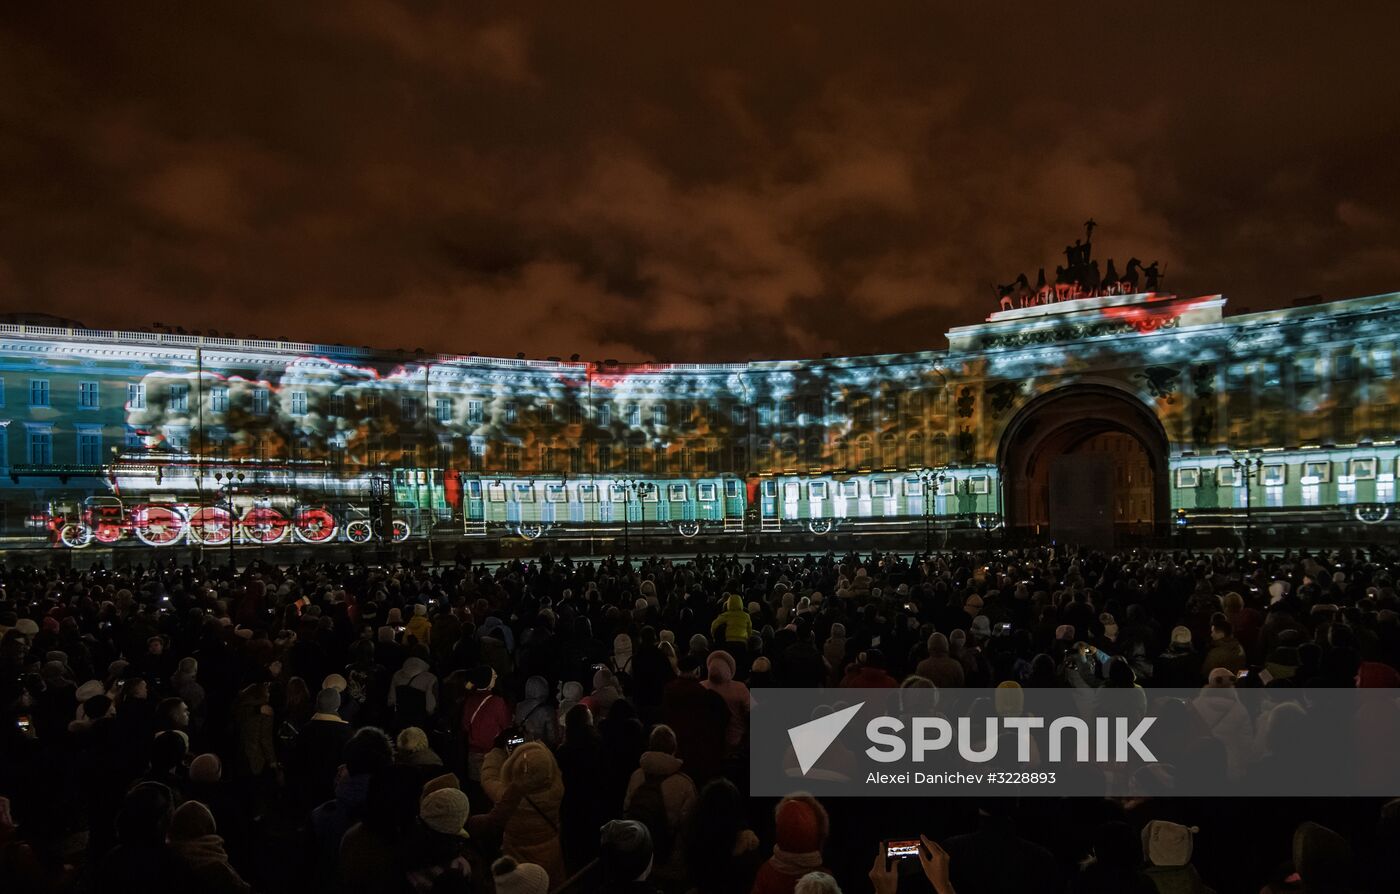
[(1248, 469), (932, 480), (628, 485), (228, 482)]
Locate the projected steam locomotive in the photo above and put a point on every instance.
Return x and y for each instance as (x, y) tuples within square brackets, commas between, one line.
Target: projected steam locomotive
[(164, 500)]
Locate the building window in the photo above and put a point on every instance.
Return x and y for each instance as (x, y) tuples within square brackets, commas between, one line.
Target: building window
[(87, 395), (634, 415), (409, 408), (1344, 365), (605, 416), (218, 398), (444, 409), (40, 447), (889, 450), (512, 412), (259, 401), (177, 437), (38, 392), (915, 448), (136, 396), (298, 403), (658, 415), (474, 414), (179, 398), (90, 448), (476, 452), (604, 456), (372, 403), (2, 392), (1381, 363), (512, 458), (1305, 370), (865, 451)]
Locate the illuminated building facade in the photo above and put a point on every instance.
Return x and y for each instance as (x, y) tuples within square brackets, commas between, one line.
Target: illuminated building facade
[(1123, 418)]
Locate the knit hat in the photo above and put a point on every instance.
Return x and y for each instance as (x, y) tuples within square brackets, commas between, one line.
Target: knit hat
[(761, 665), (802, 824), (519, 878), (420, 610), (411, 740), (625, 851), (1009, 698), (327, 701), (88, 690), (438, 783), (206, 768), (27, 627), (445, 810), (191, 820), (1181, 636), (1065, 632), (1167, 844), (981, 627), (1220, 678), (336, 682)]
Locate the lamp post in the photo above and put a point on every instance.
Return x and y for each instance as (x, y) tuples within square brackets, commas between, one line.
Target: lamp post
[(1248, 468), (228, 482), (628, 485), (931, 480)]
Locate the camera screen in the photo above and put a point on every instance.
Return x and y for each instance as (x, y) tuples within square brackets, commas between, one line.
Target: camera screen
[(902, 849)]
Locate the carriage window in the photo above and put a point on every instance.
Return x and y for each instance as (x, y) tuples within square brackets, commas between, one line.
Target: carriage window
[(649, 493), (913, 487), (677, 493), (816, 490), (979, 484), (790, 491), (1360, 469), (555, 493), (588, 493), (706, 491), (524, 492), (850, 489), (618, 493), (1317, 472), (880, 488), (731, 488), (770, 488), (1273, 475), (1187, 478), (474, 489), (1225, 476), (496, 493)]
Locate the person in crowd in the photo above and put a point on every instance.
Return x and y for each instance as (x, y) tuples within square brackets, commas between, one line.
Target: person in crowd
[(801, 829), (661, 797), (531, 834), (319, 746), (196, 844)]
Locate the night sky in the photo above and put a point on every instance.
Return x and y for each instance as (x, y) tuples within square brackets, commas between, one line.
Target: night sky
[(644, 182)]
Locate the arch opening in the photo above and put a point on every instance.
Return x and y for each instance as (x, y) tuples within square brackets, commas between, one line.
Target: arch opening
[(1086, 464)]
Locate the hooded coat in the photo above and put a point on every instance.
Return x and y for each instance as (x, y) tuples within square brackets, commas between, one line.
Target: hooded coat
[(738, 627), (535, 713), (735, 694), (531, 833), (1227, 720), (194, 843), (416, 675)]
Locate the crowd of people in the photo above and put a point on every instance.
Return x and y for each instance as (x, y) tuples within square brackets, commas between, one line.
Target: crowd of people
[(583, 726)]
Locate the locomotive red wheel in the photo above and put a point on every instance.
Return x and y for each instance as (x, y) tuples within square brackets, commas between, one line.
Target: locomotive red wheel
[(359, 531), (75, 535), (211, 525), (264, 525), (314, 525), (401, 530), (157, 525)]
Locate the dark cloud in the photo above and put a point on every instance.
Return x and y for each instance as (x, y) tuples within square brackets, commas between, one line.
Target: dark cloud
[(718, 182)]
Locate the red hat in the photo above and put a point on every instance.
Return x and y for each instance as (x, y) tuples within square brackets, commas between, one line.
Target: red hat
[(802, 824)]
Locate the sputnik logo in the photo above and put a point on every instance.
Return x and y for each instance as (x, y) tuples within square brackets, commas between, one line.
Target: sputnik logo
[(810, 740)]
